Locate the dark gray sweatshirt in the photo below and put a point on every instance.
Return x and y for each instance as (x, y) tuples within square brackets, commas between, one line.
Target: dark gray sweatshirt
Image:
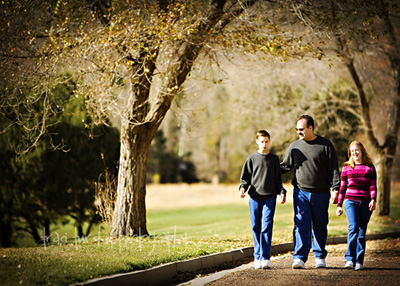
[(261, 176), (315, 165)]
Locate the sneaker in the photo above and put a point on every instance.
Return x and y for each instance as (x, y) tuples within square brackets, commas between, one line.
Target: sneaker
[(359, 266), (349, 265), (265, 264), (298, 264), (320, 263), (257, 264)]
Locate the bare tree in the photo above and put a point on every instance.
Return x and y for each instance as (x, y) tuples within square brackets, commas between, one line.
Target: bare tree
[(358, 29)]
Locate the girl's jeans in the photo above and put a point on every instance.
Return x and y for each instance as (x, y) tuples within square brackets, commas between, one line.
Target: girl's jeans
[(262, 219), (358, 215)]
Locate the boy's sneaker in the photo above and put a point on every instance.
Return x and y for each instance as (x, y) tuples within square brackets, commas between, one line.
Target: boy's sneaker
[(257, 264), (320, 263), (359, 266), (265, 264), (349, 265), (298, 264)]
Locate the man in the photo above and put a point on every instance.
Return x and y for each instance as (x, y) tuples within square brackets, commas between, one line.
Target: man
[(316, 173)]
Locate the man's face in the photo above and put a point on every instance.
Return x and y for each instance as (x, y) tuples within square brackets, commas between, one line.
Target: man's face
[(304, 132)]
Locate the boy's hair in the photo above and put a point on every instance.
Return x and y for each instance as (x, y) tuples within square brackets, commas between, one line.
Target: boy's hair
[(308, 119), (263, 133), (366, 159)]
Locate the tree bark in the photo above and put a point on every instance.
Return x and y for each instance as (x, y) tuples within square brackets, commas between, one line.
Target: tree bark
[(383, 168), (130, 209)]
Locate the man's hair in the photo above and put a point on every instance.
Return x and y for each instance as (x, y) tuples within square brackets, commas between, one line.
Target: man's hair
[(263, 133), (308, 119)]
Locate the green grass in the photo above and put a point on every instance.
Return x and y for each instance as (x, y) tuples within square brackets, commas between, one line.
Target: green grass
[(175, 235)]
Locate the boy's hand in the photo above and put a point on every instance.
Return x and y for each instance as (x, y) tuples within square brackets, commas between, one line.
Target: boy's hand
[(242, 192), (339, 211), (283, 198)]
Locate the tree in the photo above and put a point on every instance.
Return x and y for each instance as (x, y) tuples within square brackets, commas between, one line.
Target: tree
[(47, 183), (131, 58), (359, 29)]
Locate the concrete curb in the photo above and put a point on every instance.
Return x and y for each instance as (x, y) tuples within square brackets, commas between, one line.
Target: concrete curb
[(164, 273)]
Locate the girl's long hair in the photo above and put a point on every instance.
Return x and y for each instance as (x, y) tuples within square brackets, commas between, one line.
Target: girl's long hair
[(366, 159)]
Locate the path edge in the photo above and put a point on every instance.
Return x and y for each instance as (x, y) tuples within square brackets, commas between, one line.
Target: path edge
[(162, 274)]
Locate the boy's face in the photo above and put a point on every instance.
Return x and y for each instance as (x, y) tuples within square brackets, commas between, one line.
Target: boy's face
[(263, 143)]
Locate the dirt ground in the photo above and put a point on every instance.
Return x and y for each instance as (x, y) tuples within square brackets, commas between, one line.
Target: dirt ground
[(381, 267)]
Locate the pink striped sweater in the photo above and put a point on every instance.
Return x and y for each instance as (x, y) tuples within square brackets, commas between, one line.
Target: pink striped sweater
[(357, 184)]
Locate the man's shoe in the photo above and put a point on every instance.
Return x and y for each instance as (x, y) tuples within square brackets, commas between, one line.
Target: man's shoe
[(298, 264), (320, 263), (349, 265), (257, 264), (265, 264), (359, 266)]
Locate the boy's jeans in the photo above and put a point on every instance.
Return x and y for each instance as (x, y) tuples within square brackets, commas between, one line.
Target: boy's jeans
[(262, 219), (358, 215), (310, 223)]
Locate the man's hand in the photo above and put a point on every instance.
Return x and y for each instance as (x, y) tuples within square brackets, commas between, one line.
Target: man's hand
[(334, 198), (283, 198)]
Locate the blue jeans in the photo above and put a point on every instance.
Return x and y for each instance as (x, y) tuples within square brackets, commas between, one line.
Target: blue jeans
[(358, 215), (262, 219), (310, 223)]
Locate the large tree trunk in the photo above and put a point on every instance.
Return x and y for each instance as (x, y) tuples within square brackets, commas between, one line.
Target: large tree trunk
[(383, 169), (130, 209)]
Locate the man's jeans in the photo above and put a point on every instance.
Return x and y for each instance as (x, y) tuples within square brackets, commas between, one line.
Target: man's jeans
[(310, 223), (262, 219), (358, 215)]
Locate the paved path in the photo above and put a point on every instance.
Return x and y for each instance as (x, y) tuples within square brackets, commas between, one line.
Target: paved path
[(382, 267)]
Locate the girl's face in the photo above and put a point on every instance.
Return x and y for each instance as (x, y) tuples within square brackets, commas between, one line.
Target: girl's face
[(356, 153)]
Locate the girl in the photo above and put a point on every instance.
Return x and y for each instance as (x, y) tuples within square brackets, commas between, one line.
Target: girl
[(358, 191)]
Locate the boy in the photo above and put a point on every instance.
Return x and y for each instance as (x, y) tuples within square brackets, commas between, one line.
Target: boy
[(261, 179)]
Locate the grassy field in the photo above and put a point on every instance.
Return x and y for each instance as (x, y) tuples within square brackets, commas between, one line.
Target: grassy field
[(184, 222)]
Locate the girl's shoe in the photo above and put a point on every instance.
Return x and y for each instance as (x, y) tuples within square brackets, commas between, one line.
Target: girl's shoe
[(359, 266)]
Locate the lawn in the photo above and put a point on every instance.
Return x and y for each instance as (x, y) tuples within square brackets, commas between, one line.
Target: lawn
[(176, 234)]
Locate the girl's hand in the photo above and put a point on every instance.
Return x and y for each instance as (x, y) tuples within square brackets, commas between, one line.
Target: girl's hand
[(372, 205), (283, 198), (339, 211)]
